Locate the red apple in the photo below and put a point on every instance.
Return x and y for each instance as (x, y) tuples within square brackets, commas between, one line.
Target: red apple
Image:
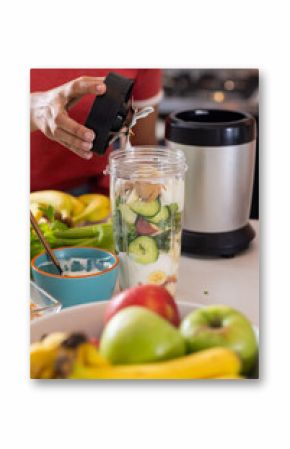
[(153, 297)]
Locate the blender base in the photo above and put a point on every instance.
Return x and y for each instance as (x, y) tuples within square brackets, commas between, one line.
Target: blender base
[(221, 244)]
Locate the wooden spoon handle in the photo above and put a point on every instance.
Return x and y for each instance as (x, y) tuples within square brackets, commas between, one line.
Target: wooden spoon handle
[(44, 242)]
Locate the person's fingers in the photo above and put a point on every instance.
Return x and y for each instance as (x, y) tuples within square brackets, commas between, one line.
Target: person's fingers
[(74, 128), (84, 154), (87, 85), (71, 141)]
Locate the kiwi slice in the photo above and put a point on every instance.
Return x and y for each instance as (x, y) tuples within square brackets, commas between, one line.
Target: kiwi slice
[(145, 208), (144, 250), (162, 215)]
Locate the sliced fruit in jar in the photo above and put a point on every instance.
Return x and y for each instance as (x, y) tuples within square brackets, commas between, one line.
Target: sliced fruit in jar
[(143, 227), (133, 196), (162, 215), (148, 191), (145, 208), (127, 214), (144, 250), (157, 277)]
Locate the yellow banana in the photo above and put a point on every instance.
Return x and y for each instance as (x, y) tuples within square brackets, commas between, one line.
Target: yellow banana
[(229, 377), (209, 363), (97, 208), (35, 209), (77, 206), (43, 355), (88, 355), (85, 362), (60, 201)]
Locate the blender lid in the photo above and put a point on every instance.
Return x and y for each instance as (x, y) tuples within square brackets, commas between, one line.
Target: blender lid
[(111, 111), (210, 127)]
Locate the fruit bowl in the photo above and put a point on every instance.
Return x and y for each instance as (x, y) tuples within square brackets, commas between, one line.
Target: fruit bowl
[(89, 319)]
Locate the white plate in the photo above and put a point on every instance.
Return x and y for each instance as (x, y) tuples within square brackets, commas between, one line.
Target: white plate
[(87, 318)]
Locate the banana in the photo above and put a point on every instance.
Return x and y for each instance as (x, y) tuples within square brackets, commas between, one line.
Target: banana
[(97, 208), (35, 209), (77, 205), (90, 207), (88, 355), (62, 355), (209, 363), (229, 377), (60, 201), (43, 355), (54, 355)]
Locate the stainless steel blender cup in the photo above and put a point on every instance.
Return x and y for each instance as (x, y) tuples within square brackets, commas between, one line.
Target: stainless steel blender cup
[(219, 147)]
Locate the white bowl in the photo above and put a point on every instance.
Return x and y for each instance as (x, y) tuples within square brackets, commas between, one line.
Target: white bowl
[(86, 318)]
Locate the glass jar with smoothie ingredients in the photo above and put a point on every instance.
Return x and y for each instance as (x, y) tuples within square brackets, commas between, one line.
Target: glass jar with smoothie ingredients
[(147, 197)]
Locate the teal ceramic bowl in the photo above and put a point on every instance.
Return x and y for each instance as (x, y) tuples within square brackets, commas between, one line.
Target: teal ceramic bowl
[(80, 288)]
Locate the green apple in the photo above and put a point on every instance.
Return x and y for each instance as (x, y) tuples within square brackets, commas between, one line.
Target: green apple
[(138, 335), (220, 325)]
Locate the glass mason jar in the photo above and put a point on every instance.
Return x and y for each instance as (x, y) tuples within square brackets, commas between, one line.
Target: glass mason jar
[(147, 197)]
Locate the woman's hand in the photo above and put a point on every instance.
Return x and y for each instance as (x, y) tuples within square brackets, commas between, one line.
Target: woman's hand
[(48, 113)]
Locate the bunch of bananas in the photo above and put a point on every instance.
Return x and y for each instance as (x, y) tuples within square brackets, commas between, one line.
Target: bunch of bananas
[(73, 356), (89, 207)]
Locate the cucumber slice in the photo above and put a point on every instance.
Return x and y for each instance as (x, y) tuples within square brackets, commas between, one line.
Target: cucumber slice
[(162, 215), (145, 208), (127, 214), (173, 207), (144, 250)]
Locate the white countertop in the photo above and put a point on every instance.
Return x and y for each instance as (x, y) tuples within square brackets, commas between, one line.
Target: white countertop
[(233, 281)]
